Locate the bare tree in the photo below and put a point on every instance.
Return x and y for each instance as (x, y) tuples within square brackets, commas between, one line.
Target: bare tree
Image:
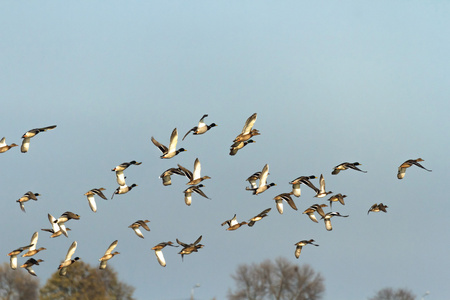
[(391, 294), (280, 280), (17, 284)]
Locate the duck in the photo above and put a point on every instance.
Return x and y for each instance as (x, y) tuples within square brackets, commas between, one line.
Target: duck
[(235, 147), (247, 131), (139, 223), (296, 191), (171, 151), (28, 265), (299, 246), (345, 166), (32, 250), (26, 197), (13, 255), (377, 208), (194, 178), (68, 215), (313, 208), (159, 254), (321, 191), (189, 248), (193, 189), (120, 177), (233, 224), (286, 197), (407, 164), (56, 229), (327, 218), (166, 175), (4, 147), (201, 128), (263, 186), (123, 189), (258, 217), (108, 255), (338, 197), (90, 197), (68, 261), (31, 133)]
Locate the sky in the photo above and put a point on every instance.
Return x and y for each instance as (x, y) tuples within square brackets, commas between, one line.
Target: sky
[(330, 81)]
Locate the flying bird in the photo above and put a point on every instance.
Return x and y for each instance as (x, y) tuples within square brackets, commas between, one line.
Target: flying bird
[(159, 254), (26, 197), (258, 217), (32, 250), (165, 176), (171, 151), (189, 248), (120, 176), (13, 256), (300, 245), (327, 219), (296, 191), (193, 189), (407, 164), (345, 166), (31, 133), (28, 265), (321, 191), (313, 208), (68, 215), (56, 229), (68, 261), (338, 197), (90, 197), (201, 128), (377, 208), (263, 186), (284, 197), (136, 227), (247, 131), (194, 177), (235, 147), (108, 255), (123, 189), (233, 224), (4, 147)]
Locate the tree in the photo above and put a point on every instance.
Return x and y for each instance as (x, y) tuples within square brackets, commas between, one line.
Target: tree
[(17, 284), (277, 280), (391, 294), (85, 282)]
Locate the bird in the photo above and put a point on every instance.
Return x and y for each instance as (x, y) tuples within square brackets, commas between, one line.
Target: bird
[(345, 166), (31, 133), (201, 128), (189, 248), (32, 250), (286, 197), (235, 147), (108, 255), (300, 245), (296, 191), (171, 151), (377, 208), (139, 223), (123, 189), (90, 197), (194, 177), (247, 131), (68, 260), (313, 208), (68, 215), (263, 186), (56, 229), (26, 197), (193, 189), (120, 177), (13, 256), (159, 254), (338, 197), (258, 217), (233, 224), (321, 192), (30, 263), (165, 176), (4, 147), (327, 218), (407, 164)]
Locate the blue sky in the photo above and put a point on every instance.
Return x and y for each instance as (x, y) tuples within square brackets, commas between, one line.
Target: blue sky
[(331, 82)]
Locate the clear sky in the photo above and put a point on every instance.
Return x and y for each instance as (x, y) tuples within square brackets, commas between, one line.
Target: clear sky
[(331, 82)]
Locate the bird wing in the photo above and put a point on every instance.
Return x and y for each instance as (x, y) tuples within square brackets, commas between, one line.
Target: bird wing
[(100, 193), (160, 257), (3, 142), (186, 172), (173, 141), (34, 239), (197, 169), (111, 247), (249, 124), (143, 224), (198, 240), (71, 251), (120, 177), (46, 128), (192, 129), (264, 174), (92, 204), (197, 190), (160, 146), (322, 184), (25, 145)]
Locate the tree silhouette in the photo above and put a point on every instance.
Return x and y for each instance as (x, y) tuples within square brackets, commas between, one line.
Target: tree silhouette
[(391, 294), (85, 282), (278, 280), (17, 284)]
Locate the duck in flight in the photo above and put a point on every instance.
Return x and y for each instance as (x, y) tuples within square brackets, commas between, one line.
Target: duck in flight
[(171, 151), (402, 168), (201, 128)]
